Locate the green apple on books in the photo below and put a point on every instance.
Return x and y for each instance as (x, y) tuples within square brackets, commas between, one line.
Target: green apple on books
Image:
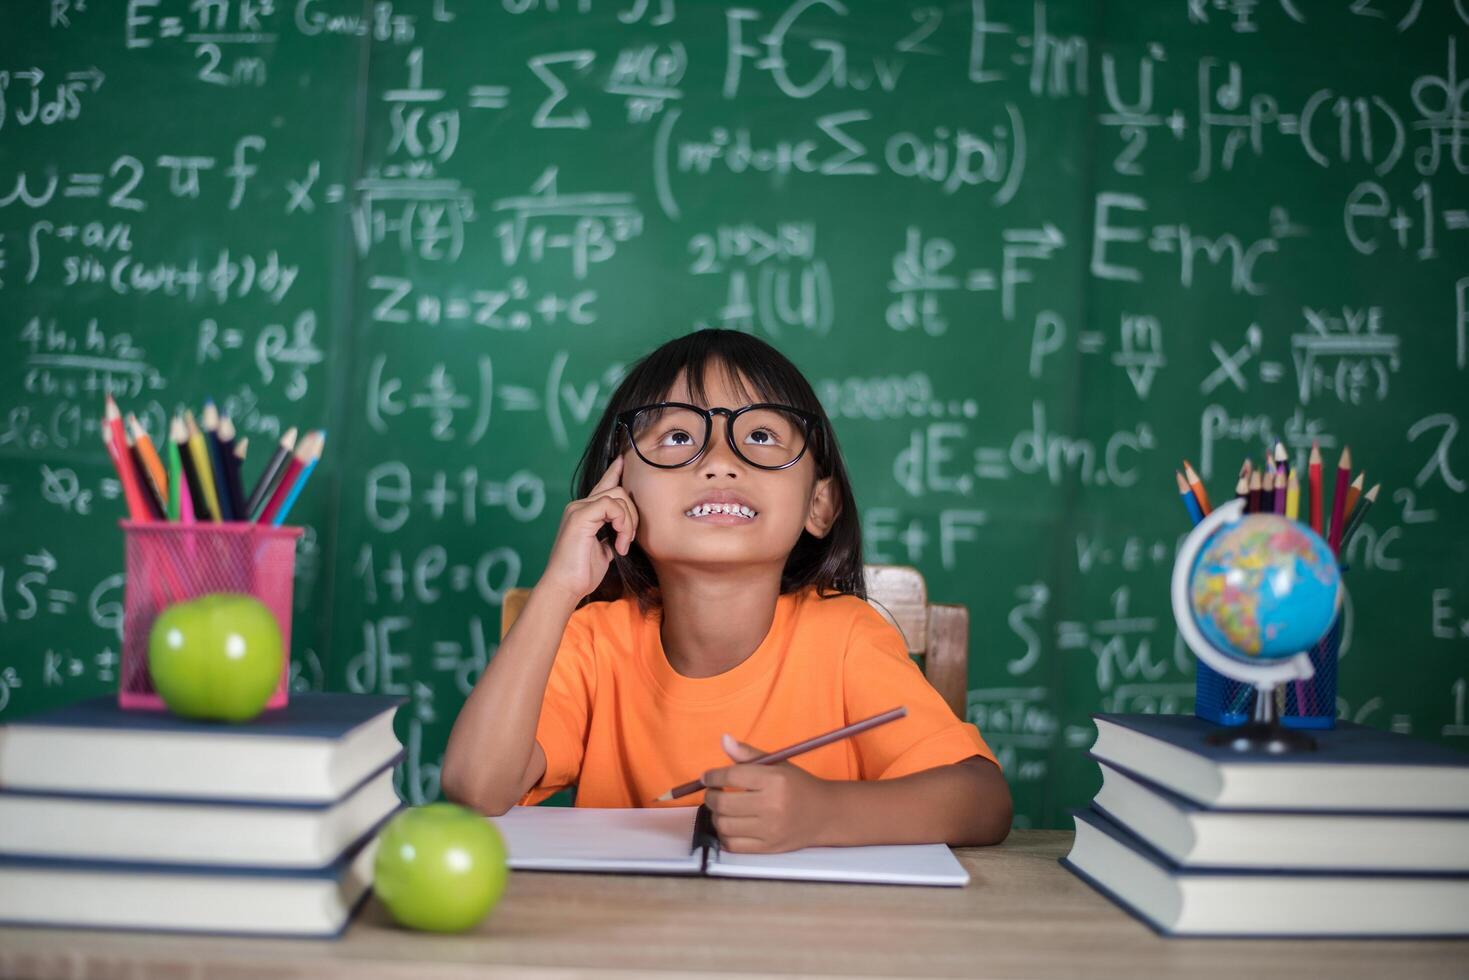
[(111, 818), (218, 656)]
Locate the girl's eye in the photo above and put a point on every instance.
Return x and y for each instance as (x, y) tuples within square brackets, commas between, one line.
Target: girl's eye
[(678, 432), (764, 437)]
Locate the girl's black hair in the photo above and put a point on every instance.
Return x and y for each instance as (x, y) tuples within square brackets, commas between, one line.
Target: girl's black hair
[(834, 563)]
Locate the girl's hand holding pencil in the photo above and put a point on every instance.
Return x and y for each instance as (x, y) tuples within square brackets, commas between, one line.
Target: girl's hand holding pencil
[(775, 806)]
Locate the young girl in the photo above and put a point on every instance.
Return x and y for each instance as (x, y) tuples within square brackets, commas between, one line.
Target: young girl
[(723, 609)]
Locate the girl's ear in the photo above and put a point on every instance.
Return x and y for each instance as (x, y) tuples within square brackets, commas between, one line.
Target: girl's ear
[(825, 508)]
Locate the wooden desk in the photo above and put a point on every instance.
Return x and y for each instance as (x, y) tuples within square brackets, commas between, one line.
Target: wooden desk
[(1021, 916)]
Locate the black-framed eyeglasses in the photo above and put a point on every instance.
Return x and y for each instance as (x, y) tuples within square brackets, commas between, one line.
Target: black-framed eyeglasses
[(673, 434)]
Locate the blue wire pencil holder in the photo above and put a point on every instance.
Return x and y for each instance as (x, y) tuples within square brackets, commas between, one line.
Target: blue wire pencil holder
[(1307, 704)]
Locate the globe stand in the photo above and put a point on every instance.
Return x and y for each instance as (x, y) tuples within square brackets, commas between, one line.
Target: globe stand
[(1263, 734)]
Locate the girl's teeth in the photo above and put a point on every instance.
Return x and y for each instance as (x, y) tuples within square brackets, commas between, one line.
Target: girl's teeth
[(707, 509)]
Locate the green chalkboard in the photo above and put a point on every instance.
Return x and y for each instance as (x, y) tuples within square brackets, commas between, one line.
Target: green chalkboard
[(1031, 255)]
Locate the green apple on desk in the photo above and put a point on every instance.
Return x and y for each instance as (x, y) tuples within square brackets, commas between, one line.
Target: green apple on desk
[(218, 657), (440, 867)]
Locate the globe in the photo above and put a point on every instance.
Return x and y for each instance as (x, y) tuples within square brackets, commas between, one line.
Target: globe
[(1264, 588)]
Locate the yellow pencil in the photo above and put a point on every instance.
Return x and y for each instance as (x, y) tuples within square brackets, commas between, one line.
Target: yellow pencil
[(200, 454), (1293, 496)]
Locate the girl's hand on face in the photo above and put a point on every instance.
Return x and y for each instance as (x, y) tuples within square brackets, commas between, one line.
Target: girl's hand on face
[(764, 808), (579, 559)]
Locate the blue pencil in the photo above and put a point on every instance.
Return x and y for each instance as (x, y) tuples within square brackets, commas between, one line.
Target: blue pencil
[(318, 440), (1195, 512)]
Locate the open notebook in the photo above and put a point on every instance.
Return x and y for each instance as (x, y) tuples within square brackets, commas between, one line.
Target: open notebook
[(682, 841)]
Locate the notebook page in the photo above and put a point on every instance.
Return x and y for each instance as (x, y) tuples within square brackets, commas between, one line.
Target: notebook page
[(551, 838), (887, 864)]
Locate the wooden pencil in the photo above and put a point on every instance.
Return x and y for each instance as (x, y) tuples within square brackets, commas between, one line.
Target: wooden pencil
[(1354, 493), (265, 484), (1197, 486), (846, 731), (189, 464), (1339, 498), (1359, 515), (1313, 475), (116, 444)]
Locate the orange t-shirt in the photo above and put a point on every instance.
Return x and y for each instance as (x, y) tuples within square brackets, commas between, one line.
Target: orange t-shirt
[(623, 726)]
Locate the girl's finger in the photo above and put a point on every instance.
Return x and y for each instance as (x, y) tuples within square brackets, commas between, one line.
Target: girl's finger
[(601, 511), (610, 477), (625, 539), (729, 826)]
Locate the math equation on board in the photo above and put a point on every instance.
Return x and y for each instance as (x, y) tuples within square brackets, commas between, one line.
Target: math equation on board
[(1032, 255)]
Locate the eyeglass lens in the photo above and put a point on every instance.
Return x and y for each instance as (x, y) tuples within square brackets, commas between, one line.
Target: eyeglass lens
[(765, 437)]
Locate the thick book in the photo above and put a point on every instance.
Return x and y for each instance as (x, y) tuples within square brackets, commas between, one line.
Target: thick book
[(1192, 835), (312, 750), (1256, 902), (220, 899), (170, 830), (1352, 768), (682, 841)]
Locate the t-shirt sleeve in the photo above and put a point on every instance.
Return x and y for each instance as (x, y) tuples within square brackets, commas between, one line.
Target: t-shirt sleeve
[(565, 710), (878, 674)]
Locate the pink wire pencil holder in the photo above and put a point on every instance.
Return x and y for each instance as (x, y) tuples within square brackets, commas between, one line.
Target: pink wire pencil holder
[(167, 563)]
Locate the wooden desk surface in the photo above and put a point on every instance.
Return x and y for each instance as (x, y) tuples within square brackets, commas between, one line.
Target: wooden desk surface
[(1021, 916)]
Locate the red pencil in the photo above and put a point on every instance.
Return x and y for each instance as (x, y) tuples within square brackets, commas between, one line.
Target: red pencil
[(1339, 497), (288, 480), (113, 439), (1313, 472)]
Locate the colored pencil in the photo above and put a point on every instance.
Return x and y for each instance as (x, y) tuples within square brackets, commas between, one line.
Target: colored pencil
[(265, 485), (1282, 459), (1197, 486), (1189, 502), (793, 750), (217, 465), (112, 438), (189, 463), (1339, 498), (1358, 515), (152, 496), (1354, 493), (237, 465), (1242, 490), (1257, 494), (230, 464), (203, 469), (176, 490), (318, 442), (1279, 497), (1313, 474), (287, 481), (1293, 496), (149, 452)]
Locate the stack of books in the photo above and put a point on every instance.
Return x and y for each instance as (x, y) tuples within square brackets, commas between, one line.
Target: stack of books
[(114, 819), (1368, 835)]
